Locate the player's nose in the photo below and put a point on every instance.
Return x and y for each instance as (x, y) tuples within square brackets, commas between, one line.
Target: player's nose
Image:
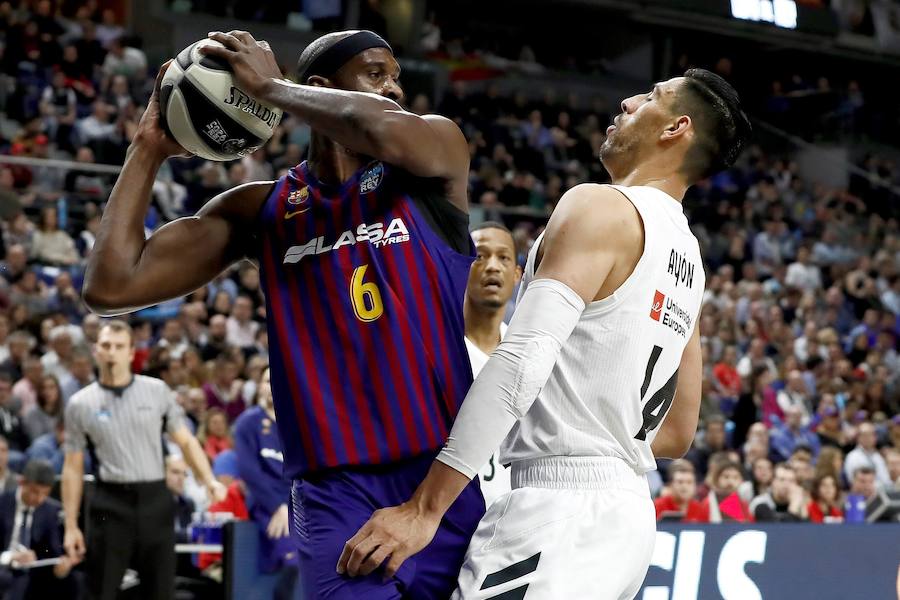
[(393, 91)]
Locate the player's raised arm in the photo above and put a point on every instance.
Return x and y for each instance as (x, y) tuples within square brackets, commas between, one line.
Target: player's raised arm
[(371, 122), (677, 431), (591, 229), (125, 271)]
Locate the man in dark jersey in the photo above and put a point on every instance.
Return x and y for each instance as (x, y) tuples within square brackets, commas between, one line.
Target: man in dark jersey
[(364, 253)]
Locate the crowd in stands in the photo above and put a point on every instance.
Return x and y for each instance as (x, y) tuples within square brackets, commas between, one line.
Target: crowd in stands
[(800, 326)]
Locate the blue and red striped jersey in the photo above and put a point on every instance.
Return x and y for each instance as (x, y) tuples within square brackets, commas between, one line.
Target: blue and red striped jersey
[(364, 311)]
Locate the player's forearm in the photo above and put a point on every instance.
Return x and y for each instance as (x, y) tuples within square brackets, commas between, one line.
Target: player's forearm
[(72, 488), (196, 460), (120, 241), (363, 122), (439, 490), (514, 375)]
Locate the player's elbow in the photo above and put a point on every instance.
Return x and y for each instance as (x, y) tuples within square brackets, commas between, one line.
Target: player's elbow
[(102, 302)]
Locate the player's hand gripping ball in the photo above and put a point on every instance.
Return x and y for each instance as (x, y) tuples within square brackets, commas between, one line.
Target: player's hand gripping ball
[(206, 110)]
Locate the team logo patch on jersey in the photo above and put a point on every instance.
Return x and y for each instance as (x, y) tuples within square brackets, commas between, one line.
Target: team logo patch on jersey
[(299, 196), (656, 308), (376, 234), (371, 179)]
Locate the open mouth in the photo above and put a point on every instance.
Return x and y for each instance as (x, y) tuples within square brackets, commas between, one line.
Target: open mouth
[(492, 283)]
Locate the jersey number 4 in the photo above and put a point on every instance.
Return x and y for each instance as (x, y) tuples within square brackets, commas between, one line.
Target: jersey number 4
[(659, 403), (365, 296)]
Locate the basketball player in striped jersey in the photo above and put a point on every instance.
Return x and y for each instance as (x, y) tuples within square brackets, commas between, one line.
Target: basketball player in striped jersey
[(598, 372), (492, 281), (364, 253)]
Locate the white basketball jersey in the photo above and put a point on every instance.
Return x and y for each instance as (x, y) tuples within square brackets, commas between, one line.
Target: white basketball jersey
[(615, 377), (494, 476)]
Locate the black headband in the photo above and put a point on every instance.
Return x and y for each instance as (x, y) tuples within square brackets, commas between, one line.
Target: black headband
[(332, 59)]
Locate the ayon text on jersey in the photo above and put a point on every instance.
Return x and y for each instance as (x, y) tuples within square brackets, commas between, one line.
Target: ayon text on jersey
[(375, 234), (681, 269)]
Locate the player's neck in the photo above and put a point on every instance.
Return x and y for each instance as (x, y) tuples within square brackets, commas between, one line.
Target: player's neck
[(483, 326), (671, 183), (330, 162)]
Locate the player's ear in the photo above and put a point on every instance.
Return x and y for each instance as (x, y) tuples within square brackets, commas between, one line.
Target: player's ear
[(677, 128), (319, 81)]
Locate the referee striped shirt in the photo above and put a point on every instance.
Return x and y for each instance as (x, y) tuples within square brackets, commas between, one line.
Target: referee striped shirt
[(125, 426)]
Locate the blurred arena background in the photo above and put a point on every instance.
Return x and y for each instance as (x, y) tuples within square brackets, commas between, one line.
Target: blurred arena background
[(801, 323)]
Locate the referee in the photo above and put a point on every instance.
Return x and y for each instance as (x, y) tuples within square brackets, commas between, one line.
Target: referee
[(120, 419)]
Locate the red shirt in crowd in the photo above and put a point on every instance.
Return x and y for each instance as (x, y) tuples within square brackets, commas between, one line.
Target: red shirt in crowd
[(817, 516), (693, 514), (233, 503), (215, 445), (728, 378)]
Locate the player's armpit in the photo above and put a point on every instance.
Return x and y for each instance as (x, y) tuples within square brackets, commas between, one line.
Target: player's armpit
[(592, 232), (126, 272), (676, 434)]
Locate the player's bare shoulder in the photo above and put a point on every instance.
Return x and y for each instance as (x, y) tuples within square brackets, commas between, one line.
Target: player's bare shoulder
[(594, 216)]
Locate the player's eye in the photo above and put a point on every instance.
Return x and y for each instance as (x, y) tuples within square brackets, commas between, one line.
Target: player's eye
[(374, 75)]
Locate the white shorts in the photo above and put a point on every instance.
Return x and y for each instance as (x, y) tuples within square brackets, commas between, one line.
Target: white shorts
[(572, 527)]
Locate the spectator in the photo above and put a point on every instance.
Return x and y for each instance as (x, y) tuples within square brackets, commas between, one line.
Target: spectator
[(681, 502), (864, 483), (64, 298), (224, 391), (48, 447), (892, 458), (80, 374), (830, 430), (713, 441), (195, 408), (728, 382), (756, 356), (29, 518), (173, 338), (723, 503), (124, 60), (787, 436), (241, 328), (58, 360), (51, 244), (795, 394), (866, 455), (761, 476), (10, 424), (825, 504), (214, 435), (43, 417), (786, 501), (176, 471), (25, 390), (802, 274), (216, 340)]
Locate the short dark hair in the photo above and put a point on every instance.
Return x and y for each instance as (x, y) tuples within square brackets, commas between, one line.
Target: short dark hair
[(316, 48), (40, 472), (722, 128), (680, 466), (118, 326), (864, 471)]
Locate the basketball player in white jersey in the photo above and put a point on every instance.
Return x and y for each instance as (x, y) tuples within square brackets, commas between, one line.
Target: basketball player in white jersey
[(599, 371), (492, 280)]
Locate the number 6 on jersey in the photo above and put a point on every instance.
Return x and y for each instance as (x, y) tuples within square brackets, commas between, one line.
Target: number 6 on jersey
[(365, 296)]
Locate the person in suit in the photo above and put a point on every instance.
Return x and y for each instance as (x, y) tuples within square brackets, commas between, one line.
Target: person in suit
[(30, 530)]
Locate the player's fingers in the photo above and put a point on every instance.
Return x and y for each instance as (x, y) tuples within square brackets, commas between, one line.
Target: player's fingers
[(159, 78), (349, 545), (226, 39), (242, 35), (223, 53), (360, 553), (374, 560), (398, 556)]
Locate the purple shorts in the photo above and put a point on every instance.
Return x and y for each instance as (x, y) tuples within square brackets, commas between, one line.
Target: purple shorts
[(329, 509)]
